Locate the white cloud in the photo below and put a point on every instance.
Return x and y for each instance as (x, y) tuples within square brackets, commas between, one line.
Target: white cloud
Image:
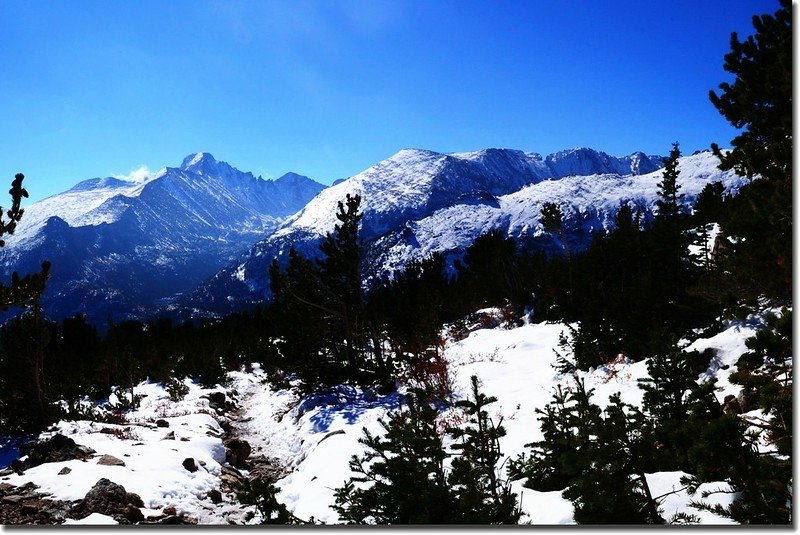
[(141, 174)]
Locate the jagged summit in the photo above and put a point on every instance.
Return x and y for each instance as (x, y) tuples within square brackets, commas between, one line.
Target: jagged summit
[(198, 159)]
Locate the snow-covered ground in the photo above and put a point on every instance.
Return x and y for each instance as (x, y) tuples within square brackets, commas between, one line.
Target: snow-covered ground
[(313, 438)]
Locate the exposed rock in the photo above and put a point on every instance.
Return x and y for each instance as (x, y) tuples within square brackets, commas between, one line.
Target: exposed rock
[(22, 505), (231, 477), (189, 464), (134, 499), (214, 495), (162, 423), (169, 511), (33, 506), (64, 471), (237, 451), (107, 498), (731, 405), (266, 469), (169, 436), (110, 460), (216, 400), (55, 449), (132, 513), (748, 400)]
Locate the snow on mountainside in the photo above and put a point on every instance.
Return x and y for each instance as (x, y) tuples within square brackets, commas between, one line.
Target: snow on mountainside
[(117, 246), (419, 202)]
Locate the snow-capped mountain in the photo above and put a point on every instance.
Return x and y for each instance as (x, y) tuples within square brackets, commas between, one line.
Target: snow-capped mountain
[(119, 246), (418, 202)]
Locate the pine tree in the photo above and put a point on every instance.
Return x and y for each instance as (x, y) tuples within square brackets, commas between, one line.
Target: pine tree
[(668, 204), (489, 273), (321, 307), (340, 272), (401, 479), (669, 392), (480, 493), (759, 101), (25, 404), (552, 220), (598, 457), (27, 392), (611, 487), (26, 290)]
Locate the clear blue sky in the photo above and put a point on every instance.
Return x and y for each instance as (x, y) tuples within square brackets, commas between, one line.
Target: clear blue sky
[(327, 88)]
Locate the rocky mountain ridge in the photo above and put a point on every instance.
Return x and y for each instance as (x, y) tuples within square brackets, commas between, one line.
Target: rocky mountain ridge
[(119, 246)]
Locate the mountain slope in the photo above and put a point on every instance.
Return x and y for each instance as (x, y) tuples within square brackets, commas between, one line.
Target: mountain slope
[(418, 202), (117, 246)]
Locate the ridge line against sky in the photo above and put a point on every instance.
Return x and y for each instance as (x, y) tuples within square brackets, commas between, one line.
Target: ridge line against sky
[(326, 89)]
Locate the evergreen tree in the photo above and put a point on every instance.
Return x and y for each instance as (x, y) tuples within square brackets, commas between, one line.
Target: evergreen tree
[(598, 457), (611, 487), (488, 276), (758, 260), (759, 101), (26, 290), (480, 493), (669, 392), (263, 495), (551, 218), (765, 374), (709, 205), (329, 337), (340, 272), (668, 204), (25, 405), (401, 478)]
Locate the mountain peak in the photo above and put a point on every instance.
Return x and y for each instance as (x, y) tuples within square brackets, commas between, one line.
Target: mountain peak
[(291, 178), (198, 159)]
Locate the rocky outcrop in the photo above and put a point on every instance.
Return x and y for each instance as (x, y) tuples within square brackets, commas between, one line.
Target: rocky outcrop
[(108, 498), (55, 449)]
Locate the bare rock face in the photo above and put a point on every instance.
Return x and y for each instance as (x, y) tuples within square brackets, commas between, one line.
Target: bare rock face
[(56, 449)]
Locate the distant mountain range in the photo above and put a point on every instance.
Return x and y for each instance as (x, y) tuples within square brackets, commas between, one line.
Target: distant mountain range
[(198, 239), (119, 247), (418, 202)]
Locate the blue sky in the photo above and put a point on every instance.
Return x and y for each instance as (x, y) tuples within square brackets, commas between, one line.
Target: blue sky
[(328, 88)]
